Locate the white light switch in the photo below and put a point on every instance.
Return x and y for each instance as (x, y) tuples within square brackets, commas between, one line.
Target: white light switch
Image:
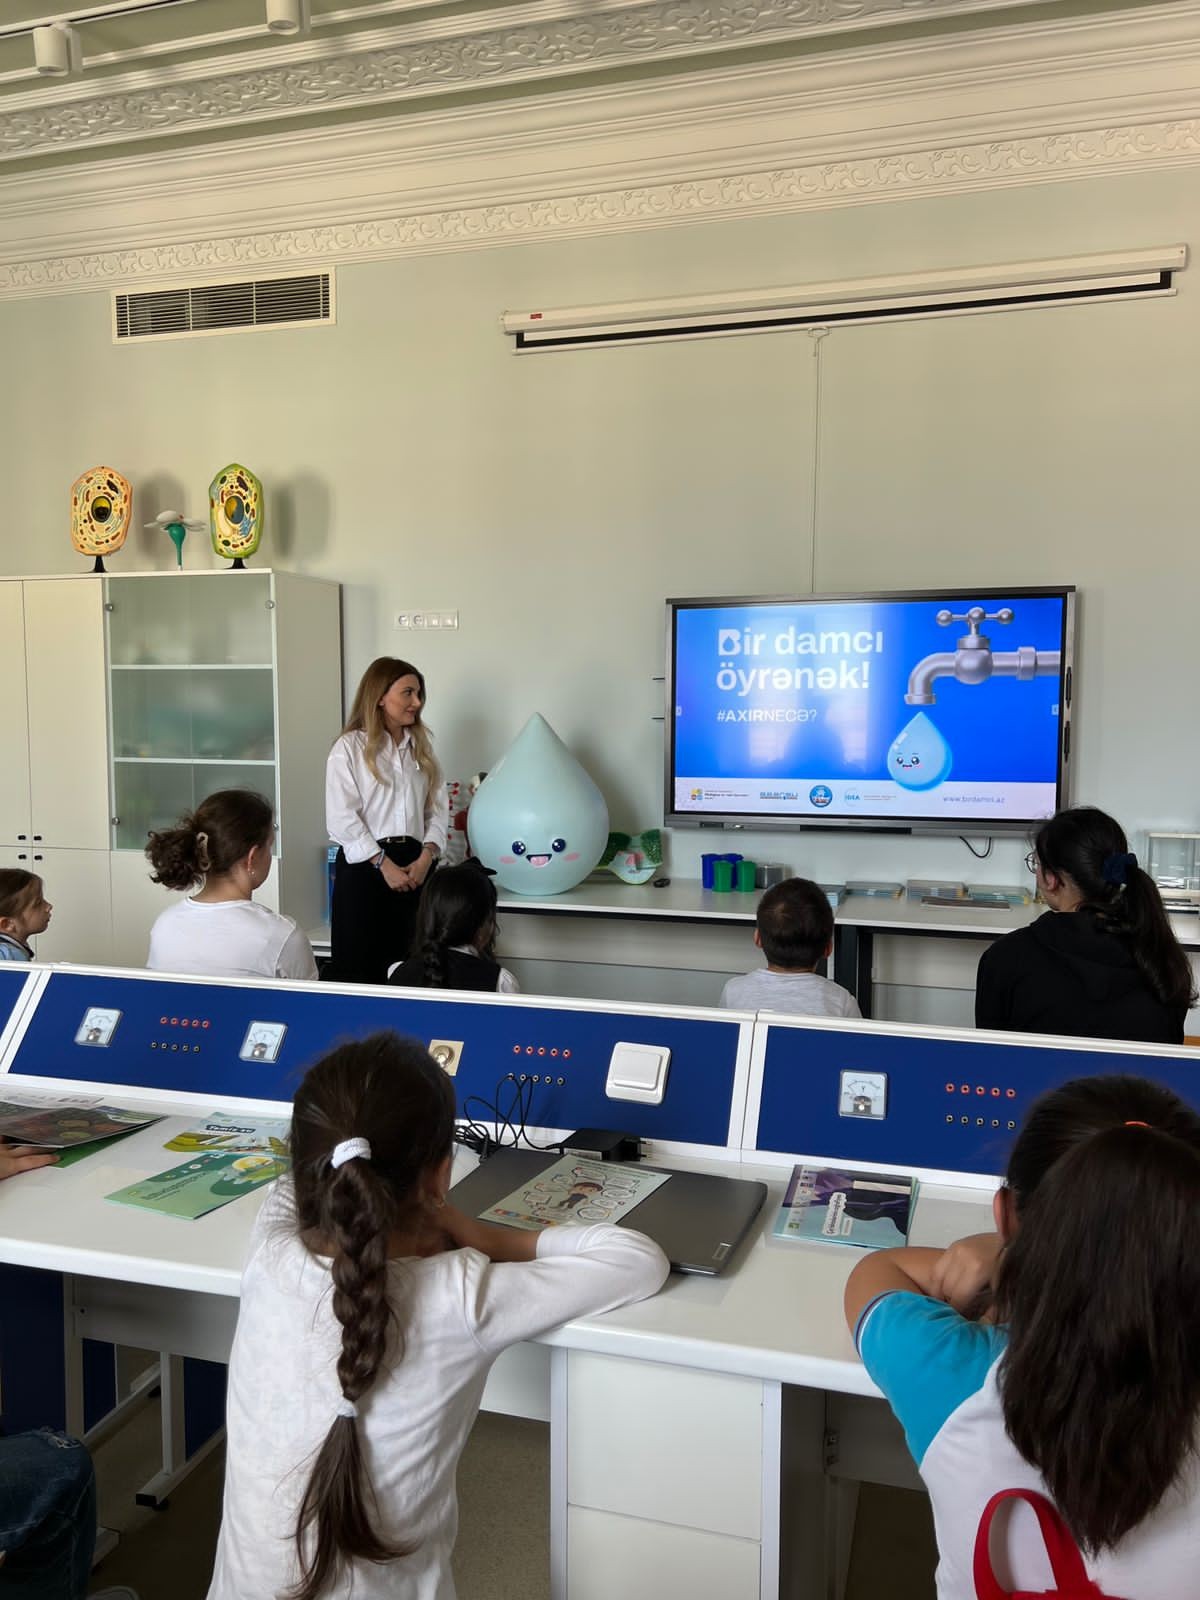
[(638, 1072), (863, 1094)]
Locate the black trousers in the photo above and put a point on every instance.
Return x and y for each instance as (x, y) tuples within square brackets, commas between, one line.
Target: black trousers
[(370, 925)]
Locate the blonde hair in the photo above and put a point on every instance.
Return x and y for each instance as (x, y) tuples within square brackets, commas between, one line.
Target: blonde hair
[(366, 717)]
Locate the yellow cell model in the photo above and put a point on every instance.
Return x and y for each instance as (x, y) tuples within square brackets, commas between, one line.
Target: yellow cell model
[(101, 505), (235, 513)]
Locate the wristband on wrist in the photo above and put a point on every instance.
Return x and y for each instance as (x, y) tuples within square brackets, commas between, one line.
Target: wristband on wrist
[(377, 861)]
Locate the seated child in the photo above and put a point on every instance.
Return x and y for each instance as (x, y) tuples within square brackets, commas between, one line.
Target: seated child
[(371, 1312), (225, 846), (1081, 1382), (794, 932), (455, 942), (24, 912)]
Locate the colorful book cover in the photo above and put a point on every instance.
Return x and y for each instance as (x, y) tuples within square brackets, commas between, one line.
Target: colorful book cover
[(841, 1206), (63, 1125), (574, 1192), (240, 1135), (211, 1180)]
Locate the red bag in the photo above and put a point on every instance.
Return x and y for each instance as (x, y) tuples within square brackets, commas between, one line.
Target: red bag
[(1071, 1581)]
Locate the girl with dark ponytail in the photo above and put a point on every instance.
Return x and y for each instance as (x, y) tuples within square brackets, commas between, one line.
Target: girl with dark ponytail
[(371, 1311), (223, 850), (1082, 1381), (1103, 962), (455, 944)]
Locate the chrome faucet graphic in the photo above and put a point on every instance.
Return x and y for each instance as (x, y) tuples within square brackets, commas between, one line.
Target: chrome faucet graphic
[(974, 661)]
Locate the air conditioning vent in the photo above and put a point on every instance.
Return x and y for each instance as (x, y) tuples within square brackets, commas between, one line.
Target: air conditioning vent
[(223, 307)]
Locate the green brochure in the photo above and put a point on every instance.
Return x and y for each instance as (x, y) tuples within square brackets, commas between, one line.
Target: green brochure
[(207, 1182)]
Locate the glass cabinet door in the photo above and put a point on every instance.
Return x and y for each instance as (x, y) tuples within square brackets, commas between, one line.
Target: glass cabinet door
[(191, 695), (190, 619)]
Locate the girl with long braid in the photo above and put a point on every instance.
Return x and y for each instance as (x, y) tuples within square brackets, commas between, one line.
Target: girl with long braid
[(455, 946), (371, 1312)]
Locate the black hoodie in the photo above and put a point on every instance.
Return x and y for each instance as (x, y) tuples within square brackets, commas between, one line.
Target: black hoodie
[(1066, 974)]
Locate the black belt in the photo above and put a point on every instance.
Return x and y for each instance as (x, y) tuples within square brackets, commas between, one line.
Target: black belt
[(401, 849)]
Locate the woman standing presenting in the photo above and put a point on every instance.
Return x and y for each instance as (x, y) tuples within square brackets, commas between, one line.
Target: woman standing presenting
[(386, 808)]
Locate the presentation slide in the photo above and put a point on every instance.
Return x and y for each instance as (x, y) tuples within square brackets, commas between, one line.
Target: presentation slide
[(898, 709)]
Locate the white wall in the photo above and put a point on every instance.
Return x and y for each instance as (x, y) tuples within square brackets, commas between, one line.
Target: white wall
[(556, 500)]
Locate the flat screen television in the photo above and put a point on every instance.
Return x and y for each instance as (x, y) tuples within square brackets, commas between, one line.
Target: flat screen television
[(940, 710)]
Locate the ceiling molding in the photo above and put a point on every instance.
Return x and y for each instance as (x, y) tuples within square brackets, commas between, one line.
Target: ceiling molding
[(1042, 102), (815, 185), (421, 58)]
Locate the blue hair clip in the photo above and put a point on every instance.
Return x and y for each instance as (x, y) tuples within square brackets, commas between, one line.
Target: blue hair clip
[(1116, 868)]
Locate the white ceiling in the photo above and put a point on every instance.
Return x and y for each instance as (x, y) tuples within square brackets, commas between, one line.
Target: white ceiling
[(194, 71)]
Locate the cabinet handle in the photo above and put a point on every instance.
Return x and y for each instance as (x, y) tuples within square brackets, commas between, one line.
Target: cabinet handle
[(37, 838), (22, 837), (21, 856), (115, 821), (37, 858)]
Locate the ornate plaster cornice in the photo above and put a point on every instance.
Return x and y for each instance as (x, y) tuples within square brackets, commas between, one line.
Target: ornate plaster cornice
[(424, 59), (1049, 101), (816, 184)]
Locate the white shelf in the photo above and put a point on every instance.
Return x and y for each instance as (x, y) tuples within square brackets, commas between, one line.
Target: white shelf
[(190, 666), (192, 761)]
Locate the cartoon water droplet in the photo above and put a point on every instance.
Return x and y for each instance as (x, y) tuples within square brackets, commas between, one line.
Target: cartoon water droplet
[(919, 758), (538, 820)]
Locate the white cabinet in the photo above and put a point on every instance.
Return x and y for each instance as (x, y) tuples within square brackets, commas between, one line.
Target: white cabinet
[(125, 700), (668, 1482), (220, 680), (53, 720), (77, 885)]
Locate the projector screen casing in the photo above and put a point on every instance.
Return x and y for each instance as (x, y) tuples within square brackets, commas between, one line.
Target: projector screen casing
[(1006, 640)]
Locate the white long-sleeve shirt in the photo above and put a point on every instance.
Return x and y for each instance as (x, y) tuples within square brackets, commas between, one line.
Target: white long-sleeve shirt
[(361, 809), (455, 1313)]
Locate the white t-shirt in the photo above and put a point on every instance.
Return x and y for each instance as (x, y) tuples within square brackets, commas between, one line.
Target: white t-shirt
[(229, 939), (804, 993), (938, 1372), (454, 1314)]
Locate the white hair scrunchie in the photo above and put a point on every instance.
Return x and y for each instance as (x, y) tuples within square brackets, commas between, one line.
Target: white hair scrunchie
[(346, 1408), (350, 1150)]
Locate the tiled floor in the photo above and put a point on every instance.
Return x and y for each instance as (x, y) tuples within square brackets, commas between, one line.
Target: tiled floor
[(504, 1491)]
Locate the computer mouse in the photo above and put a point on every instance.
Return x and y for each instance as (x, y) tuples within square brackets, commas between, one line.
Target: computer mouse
[(661, 883)]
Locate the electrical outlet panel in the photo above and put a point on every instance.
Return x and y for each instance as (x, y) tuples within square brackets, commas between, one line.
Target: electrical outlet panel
[(447, 1053)]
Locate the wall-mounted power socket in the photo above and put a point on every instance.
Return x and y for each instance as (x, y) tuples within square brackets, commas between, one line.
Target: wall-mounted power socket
[(447, 1053), (427, 620)]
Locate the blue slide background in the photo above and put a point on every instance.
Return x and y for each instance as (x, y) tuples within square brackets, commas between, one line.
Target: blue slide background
[(1001, 731)]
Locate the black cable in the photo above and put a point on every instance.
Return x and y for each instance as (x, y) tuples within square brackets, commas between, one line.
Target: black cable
[(980, 855), (502, 1126)]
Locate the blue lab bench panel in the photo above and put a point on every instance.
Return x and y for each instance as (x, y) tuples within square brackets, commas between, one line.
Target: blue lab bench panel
[(14, 975), (953, 1104), (189, 1037)]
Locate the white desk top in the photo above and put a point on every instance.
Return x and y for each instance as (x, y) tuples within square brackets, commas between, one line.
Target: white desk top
[(776, 1315), (683, 900), (61, 1221)]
